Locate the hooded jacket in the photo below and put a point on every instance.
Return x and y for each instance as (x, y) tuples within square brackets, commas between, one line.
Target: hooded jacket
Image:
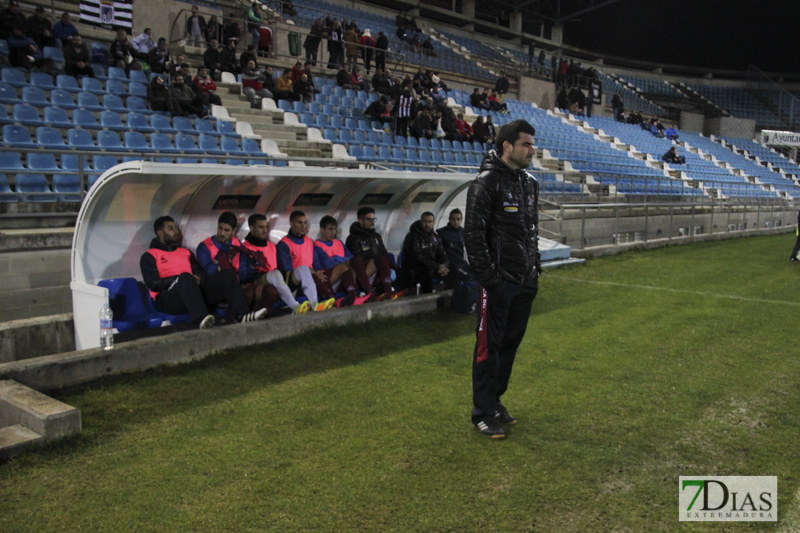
[(365, 242), (422, 248), (150, 273), (501, 230)]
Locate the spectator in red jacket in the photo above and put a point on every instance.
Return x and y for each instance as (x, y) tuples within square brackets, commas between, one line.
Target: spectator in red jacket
[(297, 72), (463, 127)]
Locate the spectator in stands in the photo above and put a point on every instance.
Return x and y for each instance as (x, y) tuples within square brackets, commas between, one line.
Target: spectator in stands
[(64, 29), (143, 43), (307, 70), (378, 110), (351, 47), (449, 125), (184, 100), (352, 25), (195, 28), (212, 60), (452, 237), (40, 29), (422, 125), (174, 67), (617, 106), (403, 112), (205, 84), (502, 84), (247, 56), (301, 266), (367, 247), (381, 45), (77, 61), (158, 96), (562, 100), (672, 133), (284, 89), (159, 57), (463, 128), (672, 157), (477, 101), (656, 128), (304, 89), (335, 260), (427, 47), (12, 17), (437, 81), (327, 24), (180, 285), (490, 128), (480, 132), (495, 104), (311, 44), (253, 84), (227, 58), (267, 282), (123, 55), (438, 97), (335, 46), (561, 79), (231, 28), (297, 71), (254, 21), (23, 50), (554, 64), (541, 61), (423, 256), (343, 78), (367, 48), (577, 101), (214, 30), (357, 81)]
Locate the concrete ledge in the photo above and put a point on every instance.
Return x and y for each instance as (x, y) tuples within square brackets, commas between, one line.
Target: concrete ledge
[(34, 337), (53, 372), (44, 415), (15, 439)]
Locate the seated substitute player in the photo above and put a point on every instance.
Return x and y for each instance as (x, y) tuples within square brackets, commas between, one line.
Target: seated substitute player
[(423, 255), (298, 262), (267, 274), (335, 259), (368, 250), (178, 283), (223, 251), (452, 236)]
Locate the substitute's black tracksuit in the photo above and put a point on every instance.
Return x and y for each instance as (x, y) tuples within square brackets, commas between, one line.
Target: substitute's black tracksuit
[(501, 235)]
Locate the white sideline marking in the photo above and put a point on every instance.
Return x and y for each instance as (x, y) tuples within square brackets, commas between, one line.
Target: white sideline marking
[(679, 291)]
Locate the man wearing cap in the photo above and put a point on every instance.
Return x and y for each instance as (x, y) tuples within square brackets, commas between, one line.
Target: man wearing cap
[(159, 57)]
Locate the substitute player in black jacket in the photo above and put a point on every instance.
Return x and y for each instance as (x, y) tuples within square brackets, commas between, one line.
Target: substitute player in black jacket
[(501, 234)]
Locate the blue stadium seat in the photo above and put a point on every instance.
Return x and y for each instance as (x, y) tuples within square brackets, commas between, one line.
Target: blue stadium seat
[(208, 144), (49, 138), (126, 299), (357, 151), (162, 143), (14, 77), (251, 147), (99, 70), (72, 161), (138, 121), (102, 163), (42, 80), (183, 125), (7, 196), (51, 52), (412, 142), (363, 125), (205, 126), (10, 161), (308, 120), (424, 142), (235, 162), (136, 142), (34, 96), (446, 145), (137, 76), (85, 119), (17, 136), (92, 85), (336, 122), (345, 137), (8, 95), (114, 103), (81, 139), (69, 184), (42, 161), (161, 124), (209, 160), (369, 153), (117, 74), (136, 103), (185, 143), (373, 137), (329, 134), (111, 120), (299, 107), (109, 140), (400, 141), (27, 115), (89, 101), (315, 108), (322, 121), (225, 127), (359, 136), (5, 50), (33, 183), (115, 86), (230, 145), (62, 98)]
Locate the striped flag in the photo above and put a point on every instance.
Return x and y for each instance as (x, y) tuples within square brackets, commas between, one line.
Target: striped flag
[(108, 14)]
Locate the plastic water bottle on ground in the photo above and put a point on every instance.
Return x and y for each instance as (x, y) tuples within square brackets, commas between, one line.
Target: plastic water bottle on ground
[(106, 327)]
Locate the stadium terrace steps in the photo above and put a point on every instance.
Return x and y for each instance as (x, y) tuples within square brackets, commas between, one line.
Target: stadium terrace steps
[(34, 283)]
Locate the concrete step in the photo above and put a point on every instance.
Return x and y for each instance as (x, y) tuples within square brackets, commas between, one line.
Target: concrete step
[(34, 283), (15, 439), (35, 239), (303, 152)]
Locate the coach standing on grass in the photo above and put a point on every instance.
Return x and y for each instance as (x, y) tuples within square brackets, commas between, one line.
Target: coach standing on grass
[(501, 235)]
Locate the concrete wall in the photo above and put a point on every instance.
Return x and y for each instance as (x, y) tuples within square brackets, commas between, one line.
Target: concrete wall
[(34, 284), (34, 337), (694, 122), (731, 127), (540, 92)]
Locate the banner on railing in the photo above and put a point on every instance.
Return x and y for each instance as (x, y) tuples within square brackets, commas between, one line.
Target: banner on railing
[(108, 14), (781, 138)]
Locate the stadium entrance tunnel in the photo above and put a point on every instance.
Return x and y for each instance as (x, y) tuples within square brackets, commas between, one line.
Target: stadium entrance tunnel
[(115, 223)]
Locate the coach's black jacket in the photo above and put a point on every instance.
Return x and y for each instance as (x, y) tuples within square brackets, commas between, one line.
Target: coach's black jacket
[(502, 224)]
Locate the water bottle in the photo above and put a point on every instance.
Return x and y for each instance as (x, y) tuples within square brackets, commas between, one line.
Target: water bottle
[(106, 327)]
